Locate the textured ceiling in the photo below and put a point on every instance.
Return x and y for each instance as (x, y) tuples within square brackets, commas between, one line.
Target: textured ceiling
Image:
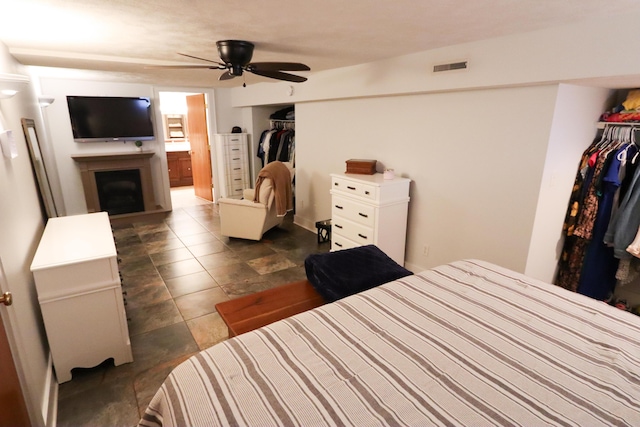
[(124, 37)]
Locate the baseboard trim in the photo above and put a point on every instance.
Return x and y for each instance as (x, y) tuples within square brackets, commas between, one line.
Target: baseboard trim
[(304, 223), (415, 268), (50, 398)]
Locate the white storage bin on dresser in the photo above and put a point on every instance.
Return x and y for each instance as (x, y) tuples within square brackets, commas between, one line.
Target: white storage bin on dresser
[(232, 164), (367, 209), (76, 275)]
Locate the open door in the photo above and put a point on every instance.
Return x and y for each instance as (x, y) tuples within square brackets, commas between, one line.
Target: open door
[(200, 148), (13, 408)]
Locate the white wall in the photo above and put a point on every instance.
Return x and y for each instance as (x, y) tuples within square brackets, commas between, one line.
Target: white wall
[(226, 115), (21, 228), (59, 125), (475, 166)]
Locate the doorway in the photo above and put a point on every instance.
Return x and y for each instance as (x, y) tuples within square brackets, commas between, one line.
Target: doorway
[(186, 138)]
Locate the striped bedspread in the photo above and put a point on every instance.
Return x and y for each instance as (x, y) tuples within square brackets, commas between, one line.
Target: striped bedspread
[(467, 343)]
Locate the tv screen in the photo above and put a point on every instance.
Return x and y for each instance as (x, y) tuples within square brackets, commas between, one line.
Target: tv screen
[(102, 118)]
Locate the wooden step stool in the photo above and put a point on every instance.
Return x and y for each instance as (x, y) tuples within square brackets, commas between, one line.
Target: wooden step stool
[(254, 311)]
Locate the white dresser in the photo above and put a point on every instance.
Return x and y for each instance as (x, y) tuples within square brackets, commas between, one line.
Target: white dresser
[(367, 209), (232, 164), (76, 275)]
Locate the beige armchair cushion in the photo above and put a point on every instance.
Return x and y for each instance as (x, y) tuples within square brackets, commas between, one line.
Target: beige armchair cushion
[(247, 219)]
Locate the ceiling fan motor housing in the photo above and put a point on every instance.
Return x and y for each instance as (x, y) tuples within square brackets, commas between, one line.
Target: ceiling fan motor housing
[(236, 54)]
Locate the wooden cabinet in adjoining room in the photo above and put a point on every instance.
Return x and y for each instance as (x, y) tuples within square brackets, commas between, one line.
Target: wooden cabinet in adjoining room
[(179, 164)]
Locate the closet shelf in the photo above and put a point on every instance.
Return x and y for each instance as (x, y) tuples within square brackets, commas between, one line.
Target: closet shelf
[(601, 125)]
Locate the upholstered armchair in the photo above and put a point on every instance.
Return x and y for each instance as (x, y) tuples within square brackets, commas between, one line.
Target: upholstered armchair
[(249, 219)]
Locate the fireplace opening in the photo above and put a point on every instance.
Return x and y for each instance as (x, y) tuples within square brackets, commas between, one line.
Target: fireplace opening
[(120, 191)]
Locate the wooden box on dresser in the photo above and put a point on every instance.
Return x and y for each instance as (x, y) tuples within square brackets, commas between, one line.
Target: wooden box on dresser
[(232, 164), (368, 209), (79, 290)]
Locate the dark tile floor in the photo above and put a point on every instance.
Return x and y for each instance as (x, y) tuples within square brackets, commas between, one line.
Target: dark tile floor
[(174, 273)]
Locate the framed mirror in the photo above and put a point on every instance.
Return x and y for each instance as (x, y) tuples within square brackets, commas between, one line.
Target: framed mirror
[(39, 170)]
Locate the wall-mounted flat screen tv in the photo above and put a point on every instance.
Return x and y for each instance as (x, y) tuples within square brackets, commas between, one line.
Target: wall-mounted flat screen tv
[(107, 118)]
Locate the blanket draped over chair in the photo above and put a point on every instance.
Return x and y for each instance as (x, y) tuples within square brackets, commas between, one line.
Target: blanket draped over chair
[(281, 178)]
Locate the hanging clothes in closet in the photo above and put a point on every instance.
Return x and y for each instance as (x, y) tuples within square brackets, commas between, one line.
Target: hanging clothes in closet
[(598, 211), (277, 143)]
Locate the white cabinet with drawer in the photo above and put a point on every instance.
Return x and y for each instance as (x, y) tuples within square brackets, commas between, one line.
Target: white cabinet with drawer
[(79, 290), (232, 164), (368, 209)]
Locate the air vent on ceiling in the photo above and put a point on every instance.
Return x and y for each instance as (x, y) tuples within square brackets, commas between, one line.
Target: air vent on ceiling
[(450, 67)]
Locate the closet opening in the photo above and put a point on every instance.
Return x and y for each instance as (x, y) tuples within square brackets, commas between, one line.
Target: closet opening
[(601, 250)]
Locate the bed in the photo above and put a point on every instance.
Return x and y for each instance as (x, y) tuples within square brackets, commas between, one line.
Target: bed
[(466, 343)]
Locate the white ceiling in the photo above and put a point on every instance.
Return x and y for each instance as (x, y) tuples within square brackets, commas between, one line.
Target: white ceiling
[(123, 37)]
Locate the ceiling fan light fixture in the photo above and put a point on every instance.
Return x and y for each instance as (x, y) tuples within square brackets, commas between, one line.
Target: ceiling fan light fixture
[(235, 69)]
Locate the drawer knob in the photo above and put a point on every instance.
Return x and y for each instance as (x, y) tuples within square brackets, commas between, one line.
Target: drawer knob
[(338, 226), (367, 193), (362, 235), (337, 244), (338, 207), (363, 215), (351, 188)]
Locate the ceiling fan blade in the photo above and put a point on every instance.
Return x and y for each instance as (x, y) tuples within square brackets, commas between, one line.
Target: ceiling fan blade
[(185, 67), (226, 76), (201, 59), (278, 66), (279, 75)]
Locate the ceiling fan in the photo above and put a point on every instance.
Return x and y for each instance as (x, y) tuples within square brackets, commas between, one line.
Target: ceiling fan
[(236, 59)]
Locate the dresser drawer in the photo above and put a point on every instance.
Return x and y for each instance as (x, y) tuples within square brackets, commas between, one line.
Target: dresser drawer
[(234, 140), (236, 184), (353, 231), (339, 242), (72, 278), (353, 211), (354, 188), (235, 180), (235, 159), (236, 168)]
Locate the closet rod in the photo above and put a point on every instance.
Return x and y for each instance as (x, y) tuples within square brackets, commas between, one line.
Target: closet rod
[(602, 125), (284, 124)]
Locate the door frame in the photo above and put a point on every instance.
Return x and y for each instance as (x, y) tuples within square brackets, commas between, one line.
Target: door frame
[(160, 136)]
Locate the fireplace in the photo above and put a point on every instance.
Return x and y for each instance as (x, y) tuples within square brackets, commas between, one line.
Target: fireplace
[(120, 191), (120, 184)]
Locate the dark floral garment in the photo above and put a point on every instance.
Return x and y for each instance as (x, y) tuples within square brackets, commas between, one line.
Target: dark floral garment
[(574, 247)]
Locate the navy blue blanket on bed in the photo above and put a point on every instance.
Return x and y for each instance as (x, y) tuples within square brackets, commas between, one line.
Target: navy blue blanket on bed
[(336, 275)]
